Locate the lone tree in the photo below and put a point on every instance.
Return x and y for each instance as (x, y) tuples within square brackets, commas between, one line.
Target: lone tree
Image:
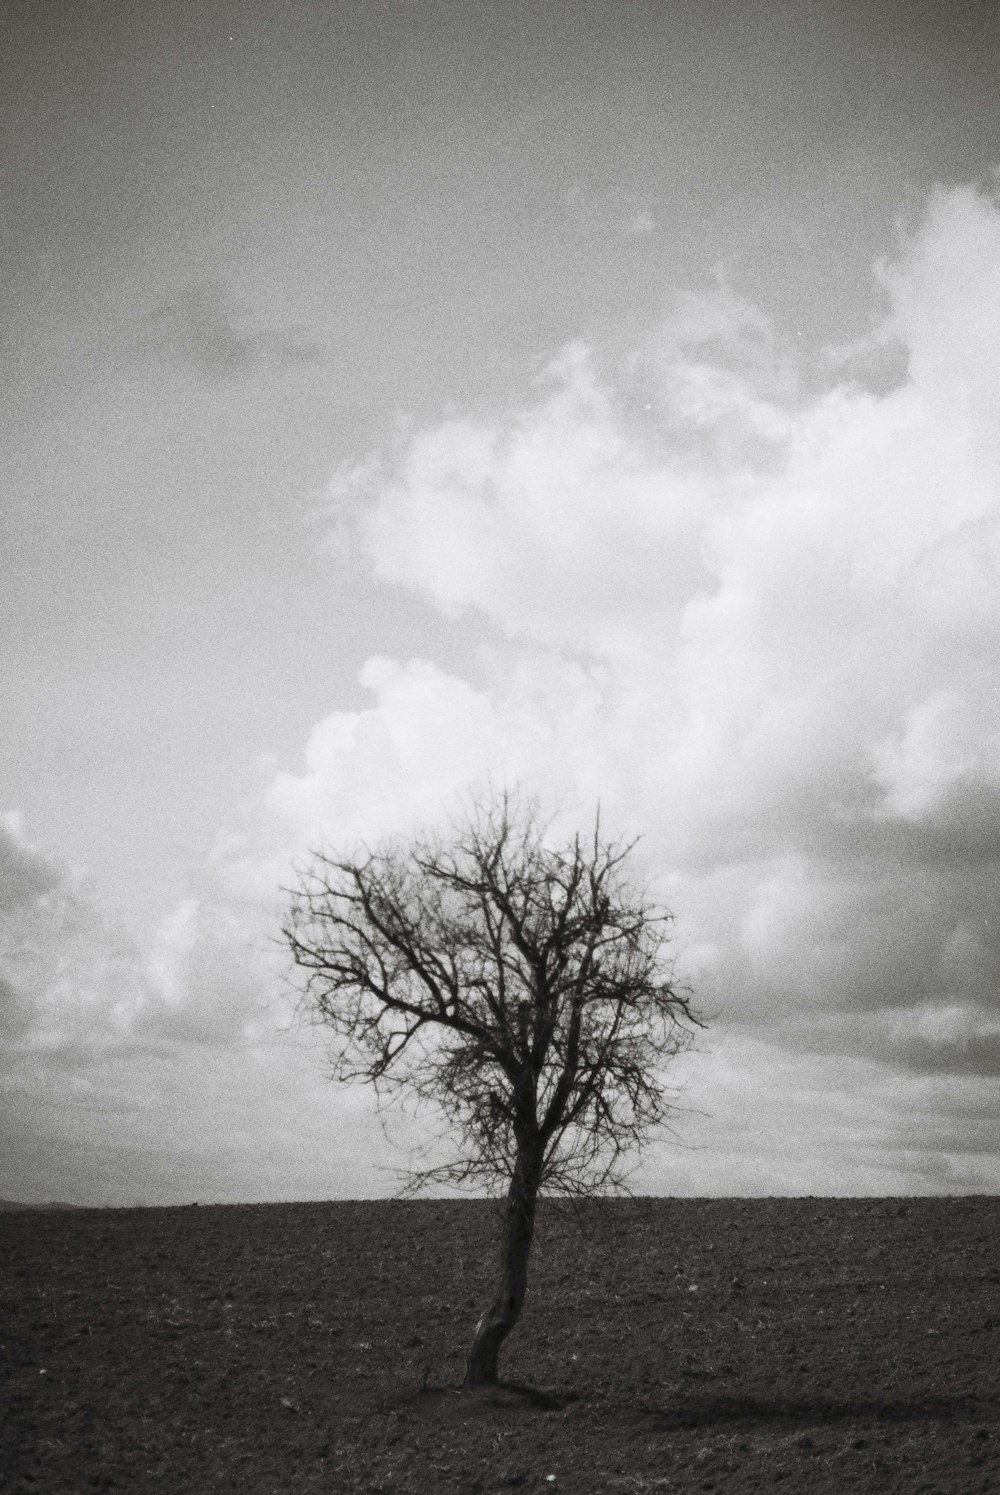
[(524, 988)]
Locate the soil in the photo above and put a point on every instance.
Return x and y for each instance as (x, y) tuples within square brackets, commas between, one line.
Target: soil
[(817, 1345)]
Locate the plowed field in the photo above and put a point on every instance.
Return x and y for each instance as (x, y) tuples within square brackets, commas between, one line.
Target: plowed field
[(668, 1345)]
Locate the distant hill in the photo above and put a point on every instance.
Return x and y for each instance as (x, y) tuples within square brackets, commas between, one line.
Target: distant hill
[(14, 1204)]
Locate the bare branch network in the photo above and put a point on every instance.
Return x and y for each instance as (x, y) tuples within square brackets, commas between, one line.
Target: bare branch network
[(525, 989)]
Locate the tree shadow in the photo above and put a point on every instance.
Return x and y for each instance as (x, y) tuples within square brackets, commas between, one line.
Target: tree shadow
[(696, 1412), (518, 1393), (505, 1394)]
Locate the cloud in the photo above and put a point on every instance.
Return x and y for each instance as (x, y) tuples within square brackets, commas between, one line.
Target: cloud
[(759, 619), (206, 330), (66, 975), (763, 1119), (24, 874), (155, 1077), (775, 613)]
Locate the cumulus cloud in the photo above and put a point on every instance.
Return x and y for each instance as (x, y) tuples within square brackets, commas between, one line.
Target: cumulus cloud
[(772, 616), (760, 621), (159, 1076)]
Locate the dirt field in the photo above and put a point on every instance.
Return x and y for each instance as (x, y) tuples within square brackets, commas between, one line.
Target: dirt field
[(673, 1345)]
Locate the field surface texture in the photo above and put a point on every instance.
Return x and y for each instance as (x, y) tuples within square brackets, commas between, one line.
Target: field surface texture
[(667, 1345)]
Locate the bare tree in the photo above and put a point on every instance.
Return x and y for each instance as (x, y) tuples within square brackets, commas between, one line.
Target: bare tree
[(522, 987)]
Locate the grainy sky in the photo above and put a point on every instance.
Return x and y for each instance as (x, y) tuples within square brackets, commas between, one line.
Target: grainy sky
[(597, 394)]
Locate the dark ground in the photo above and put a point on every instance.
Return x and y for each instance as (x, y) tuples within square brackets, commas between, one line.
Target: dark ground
[(674, 1345)]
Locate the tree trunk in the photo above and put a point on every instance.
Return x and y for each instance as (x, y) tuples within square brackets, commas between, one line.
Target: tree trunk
[(500, 1318)]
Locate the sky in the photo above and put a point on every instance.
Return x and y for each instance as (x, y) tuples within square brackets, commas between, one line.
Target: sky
[(401, 397)]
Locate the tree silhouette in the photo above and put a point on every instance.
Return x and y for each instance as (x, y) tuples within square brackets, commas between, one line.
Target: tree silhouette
[(522, 987)]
